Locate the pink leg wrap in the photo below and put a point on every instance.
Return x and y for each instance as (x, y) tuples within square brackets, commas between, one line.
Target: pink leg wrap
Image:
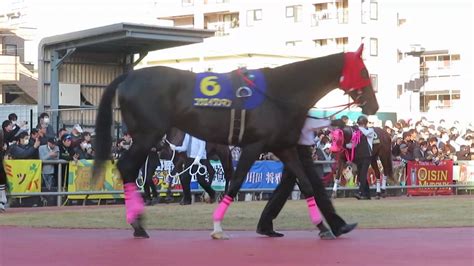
[(133, 202), (313, 209), (222, 208)]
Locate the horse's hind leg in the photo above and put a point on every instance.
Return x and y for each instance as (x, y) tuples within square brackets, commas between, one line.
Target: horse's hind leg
[(128, 166), (376, 169), (3, 185), (249, 155)]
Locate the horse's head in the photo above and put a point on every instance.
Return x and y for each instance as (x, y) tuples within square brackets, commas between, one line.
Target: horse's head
[(355, 81)]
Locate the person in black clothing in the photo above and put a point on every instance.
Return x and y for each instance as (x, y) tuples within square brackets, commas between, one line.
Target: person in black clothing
[(148, 170), (362, 157), (282, 192), (44, 122), (9, 132), (3, 175), (23, 149), (66, 152)]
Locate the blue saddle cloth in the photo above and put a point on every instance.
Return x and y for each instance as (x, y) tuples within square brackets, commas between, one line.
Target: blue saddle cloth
[(219, 90)]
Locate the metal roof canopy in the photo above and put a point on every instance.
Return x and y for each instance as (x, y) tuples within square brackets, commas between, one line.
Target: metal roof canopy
[(122, 39)]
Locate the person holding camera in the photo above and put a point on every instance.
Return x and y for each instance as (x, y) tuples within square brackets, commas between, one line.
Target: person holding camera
[(49, 151), (45, 122)]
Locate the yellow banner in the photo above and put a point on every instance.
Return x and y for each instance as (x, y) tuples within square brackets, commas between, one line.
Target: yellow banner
[(80, 175), (23, 175)]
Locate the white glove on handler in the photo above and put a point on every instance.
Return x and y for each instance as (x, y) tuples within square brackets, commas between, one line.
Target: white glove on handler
[(196, 160), (173, 147)]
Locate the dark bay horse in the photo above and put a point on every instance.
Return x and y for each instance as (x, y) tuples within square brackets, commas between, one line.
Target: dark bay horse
[(381, 150), (152, 100)]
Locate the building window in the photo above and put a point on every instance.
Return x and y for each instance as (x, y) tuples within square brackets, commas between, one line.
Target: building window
[(342, 43), (231, 20), (375, 82), (374, 46), (293, 43), (10, 49), (369, 10), (253, 16), (187, 2), (399, 91), (320, 42), (374, 12), (455, 57), (399, 56), (294, 13)]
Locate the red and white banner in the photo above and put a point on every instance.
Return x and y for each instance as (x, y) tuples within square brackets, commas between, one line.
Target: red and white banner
[(429, 174)]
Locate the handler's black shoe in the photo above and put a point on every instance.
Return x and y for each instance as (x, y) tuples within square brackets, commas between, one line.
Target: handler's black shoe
[(360, 197), (269, 233), (345, 229)]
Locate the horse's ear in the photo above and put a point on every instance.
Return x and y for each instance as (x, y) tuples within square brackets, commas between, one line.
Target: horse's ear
[(359, 51)]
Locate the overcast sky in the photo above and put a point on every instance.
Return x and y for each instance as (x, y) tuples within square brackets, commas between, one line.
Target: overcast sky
[(437, 24)]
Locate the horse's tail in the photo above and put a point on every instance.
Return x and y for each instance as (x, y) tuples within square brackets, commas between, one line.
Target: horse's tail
[(103, 126)]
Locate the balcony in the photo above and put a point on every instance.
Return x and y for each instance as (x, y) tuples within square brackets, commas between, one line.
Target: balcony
[(327, 17), (223, 23), (17, 79)]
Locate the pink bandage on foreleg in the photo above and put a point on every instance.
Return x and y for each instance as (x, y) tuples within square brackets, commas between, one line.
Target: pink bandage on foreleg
[(133, 202), (222, 208), (313, 209)]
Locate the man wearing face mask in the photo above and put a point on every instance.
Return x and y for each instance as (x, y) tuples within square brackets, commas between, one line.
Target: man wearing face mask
[(44, 121), (84, 151), (22, 149)]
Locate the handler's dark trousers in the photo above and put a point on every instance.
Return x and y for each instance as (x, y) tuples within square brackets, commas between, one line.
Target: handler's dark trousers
[(362, 169), (153, 163), (185, 179), (284, 189)]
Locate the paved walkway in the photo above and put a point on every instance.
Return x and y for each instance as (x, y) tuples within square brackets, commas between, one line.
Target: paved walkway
[(37, 247)]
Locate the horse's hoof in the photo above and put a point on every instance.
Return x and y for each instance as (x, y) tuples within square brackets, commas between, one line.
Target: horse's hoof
[(219, 236), (327, 235), (139, 231)]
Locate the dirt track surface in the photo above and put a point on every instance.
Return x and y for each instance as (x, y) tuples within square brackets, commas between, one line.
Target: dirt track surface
[(434, 246)]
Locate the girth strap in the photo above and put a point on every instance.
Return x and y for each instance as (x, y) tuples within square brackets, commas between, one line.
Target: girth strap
[(236, 127)]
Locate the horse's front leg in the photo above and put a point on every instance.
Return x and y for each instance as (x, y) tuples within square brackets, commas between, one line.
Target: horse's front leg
[(292, 161), (337, 178), (248, 156)]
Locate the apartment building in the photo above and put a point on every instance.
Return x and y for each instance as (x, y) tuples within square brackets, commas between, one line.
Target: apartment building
[(442, 72), (18, 83), (263, 33)]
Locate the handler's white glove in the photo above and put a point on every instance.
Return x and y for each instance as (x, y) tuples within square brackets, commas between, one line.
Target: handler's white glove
[(172, 146), (196, 160)]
